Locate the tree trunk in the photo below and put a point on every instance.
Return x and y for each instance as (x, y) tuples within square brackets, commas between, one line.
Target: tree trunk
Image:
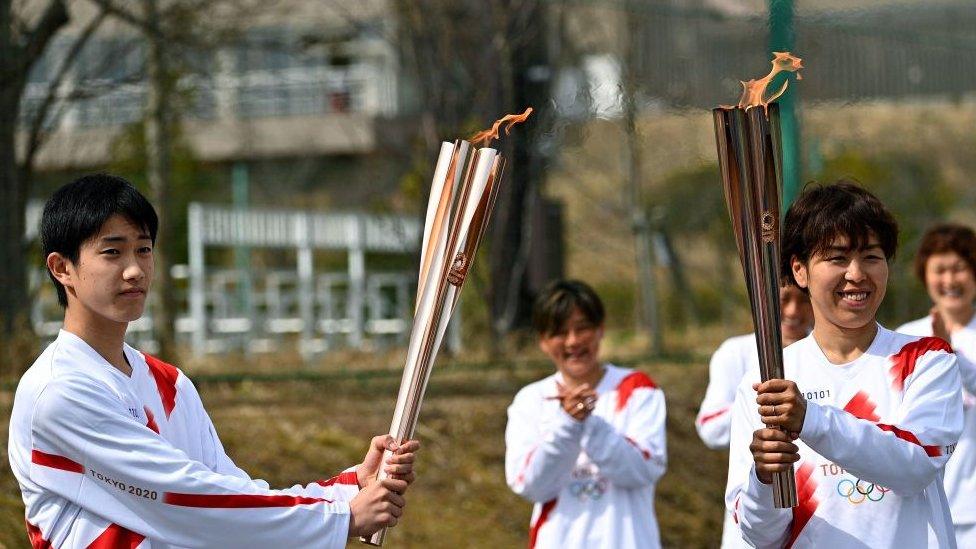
[(511, 304), (158, 147), (17, 55), (648, 315), (13, 269)]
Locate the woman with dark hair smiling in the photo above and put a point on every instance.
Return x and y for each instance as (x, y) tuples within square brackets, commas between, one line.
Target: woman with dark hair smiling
[(946, 265), (586, 444), (866, 416)]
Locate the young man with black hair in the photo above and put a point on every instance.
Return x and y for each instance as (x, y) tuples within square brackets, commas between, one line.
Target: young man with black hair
[(868, 417), (113, 447), (586, 444)]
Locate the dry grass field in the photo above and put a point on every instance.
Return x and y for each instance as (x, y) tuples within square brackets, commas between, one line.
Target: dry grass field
[(298, 428)]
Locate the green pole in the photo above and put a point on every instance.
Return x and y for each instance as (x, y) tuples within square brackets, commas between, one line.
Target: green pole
[(783, 38), (240, 186)]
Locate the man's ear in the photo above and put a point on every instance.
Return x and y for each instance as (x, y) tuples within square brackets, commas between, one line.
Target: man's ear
[(799, 272), (59, 266)]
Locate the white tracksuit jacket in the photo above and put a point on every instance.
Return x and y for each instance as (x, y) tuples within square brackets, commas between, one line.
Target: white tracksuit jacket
[(728, 365), (877, 433), (107, 460), (960, 472), (592, 481)]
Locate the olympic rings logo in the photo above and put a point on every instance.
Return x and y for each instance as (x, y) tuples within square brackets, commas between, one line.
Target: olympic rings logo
[(592, 489), (859, 491)]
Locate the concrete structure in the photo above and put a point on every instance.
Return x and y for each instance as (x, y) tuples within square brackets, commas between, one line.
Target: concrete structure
[(298, 79)]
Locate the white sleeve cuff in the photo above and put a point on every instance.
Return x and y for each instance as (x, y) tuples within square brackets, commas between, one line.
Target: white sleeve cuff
[(815, 421), (337, 519), (757, 491), (596, 438), (566, 426), (566, 419)]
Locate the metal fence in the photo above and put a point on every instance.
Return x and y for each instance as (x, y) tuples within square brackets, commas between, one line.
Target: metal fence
[(316, 306), (691, 57)]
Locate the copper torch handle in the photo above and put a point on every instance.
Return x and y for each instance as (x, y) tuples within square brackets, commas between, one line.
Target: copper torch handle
[(748, 151)]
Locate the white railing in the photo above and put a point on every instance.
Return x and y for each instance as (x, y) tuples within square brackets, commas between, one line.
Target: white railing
[(313, 305)]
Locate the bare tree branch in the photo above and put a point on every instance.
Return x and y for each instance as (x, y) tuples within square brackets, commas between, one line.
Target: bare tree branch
[(122, 14), (35, 139), (19, 50), (55, 16), (192, 35)]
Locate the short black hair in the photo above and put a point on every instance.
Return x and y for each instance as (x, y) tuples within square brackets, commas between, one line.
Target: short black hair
[(824, 212), (77, 211), (555, 304)]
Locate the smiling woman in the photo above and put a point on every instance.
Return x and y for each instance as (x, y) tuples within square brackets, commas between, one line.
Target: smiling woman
[(846, 286), (863, 398), (946, 264), (569, 321), (586, 444), (836, 248)]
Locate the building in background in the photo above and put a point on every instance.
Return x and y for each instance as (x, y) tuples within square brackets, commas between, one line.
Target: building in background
[(292, 112)]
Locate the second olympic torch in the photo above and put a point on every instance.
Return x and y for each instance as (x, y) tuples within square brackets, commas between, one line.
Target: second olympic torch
[(462, 197), (749, 155)]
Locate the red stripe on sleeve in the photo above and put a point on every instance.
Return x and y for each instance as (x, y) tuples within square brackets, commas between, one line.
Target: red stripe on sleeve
[(520, 479), (56, 462), (151, 421), (807, 504), (117, 537), (632, 382), (708, 417), (36, 537), (543, 517), (346, 477), (903, 362), (238, 501), (931, 451), (862, 407), (645, 453), (165, 376)]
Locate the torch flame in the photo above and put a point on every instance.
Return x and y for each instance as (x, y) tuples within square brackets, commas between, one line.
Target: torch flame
[(485, 137), (753, 90)]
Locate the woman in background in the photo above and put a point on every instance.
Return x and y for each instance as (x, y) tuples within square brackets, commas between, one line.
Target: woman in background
[(946, 265), (586, 444)]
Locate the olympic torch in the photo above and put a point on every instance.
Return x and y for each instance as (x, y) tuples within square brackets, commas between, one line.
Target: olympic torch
[(462, 197), (749, 154)]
